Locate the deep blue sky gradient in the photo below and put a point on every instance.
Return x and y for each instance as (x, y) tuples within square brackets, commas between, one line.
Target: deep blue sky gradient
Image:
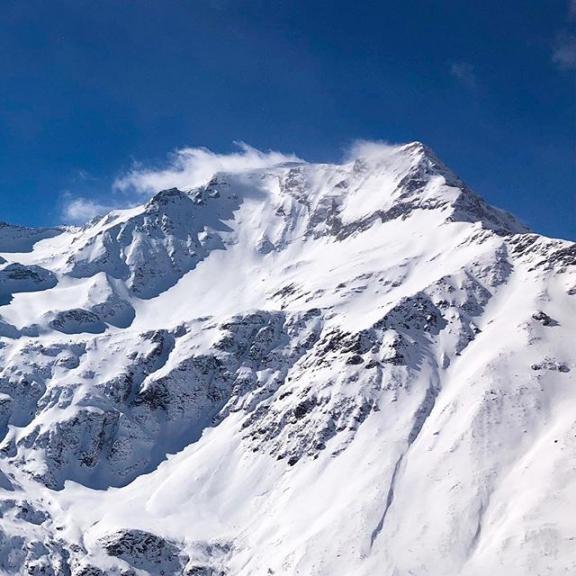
[(88, 87)]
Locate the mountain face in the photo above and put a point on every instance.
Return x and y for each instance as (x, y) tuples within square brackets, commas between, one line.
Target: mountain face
[(357, 369)]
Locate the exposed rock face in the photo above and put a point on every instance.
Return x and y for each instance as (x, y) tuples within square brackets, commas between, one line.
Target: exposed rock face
[(152, 250), (310, 369), (76, 321), (143, 550), (16, 278)]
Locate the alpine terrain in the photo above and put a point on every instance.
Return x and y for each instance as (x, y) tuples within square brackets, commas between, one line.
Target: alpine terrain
[(355, 369)]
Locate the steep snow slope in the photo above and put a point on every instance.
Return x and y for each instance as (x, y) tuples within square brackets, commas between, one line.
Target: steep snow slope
[(306, 369)]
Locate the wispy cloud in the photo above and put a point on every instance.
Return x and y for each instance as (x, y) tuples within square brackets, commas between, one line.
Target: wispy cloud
[(81, 175), (79, 210), (186, 168), (564, 48), (564, 55), (191, 167), (465, 74)]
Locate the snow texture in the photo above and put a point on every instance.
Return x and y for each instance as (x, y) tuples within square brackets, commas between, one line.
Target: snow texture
[(307, 369)]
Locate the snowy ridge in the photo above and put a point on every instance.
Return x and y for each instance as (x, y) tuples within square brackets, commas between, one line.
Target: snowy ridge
[(306, 369)]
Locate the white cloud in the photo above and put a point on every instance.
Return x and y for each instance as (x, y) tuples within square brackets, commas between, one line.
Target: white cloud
[(186, 168), (78, 210), (191, 167), (465, 74)]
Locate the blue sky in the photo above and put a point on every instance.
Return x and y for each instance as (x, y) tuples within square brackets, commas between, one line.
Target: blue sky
[(88, 88)]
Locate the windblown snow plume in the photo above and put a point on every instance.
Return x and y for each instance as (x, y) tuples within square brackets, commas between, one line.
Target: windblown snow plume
[(276, 368), (186, 168), (192, 167)]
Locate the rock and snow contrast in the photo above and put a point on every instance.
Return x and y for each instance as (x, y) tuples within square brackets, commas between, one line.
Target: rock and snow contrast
[(306, 369)]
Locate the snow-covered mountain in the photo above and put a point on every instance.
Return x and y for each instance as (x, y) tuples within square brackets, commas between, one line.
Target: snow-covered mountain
[(319, 370)]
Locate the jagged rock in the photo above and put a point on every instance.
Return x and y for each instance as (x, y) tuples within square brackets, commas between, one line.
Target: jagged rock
[(145, 551), (76, 321), (203, 571), (544, 319), (16, 278), (550, 364), (152, 250)]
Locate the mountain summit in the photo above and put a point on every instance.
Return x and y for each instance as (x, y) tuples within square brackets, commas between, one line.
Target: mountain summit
[(316, 369)]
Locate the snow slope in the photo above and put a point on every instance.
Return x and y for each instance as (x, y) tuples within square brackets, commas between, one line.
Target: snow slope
[(306, 369)]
